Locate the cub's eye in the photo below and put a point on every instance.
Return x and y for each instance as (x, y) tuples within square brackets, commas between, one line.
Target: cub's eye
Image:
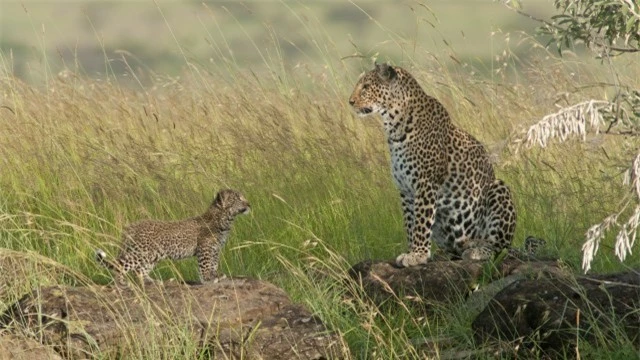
[(365, 86)]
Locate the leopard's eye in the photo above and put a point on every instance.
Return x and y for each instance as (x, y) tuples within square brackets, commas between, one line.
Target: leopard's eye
[(365, 86)]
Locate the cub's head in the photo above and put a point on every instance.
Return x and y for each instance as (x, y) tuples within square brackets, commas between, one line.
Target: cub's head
[(376, 89), (232, 202)]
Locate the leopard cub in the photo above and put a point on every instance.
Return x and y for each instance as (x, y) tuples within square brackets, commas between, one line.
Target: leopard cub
[(147, 242)]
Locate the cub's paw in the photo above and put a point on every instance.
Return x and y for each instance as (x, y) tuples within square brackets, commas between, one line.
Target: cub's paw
[(477, 253), (219, 278), (412, 259), (532, 245), (147, 281), (214, 279)]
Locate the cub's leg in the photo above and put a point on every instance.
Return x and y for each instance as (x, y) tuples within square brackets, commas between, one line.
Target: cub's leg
[(119, 276), (497, 227), (208, 256), (142, 272)]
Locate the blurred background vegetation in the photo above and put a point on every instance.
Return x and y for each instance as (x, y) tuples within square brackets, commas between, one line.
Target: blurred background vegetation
[(113, 37)]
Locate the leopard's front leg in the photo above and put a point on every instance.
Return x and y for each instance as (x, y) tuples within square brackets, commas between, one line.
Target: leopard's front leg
[(208, 257), (423, 215), (408, 218)]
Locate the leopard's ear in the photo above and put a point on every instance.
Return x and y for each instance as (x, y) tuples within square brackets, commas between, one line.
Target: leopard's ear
[(386, 72), (222, 198)]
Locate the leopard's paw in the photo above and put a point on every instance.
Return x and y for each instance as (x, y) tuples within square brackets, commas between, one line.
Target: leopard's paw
[(412, 259), (477, 253)]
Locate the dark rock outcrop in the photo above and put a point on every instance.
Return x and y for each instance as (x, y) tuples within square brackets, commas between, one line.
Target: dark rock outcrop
[(521, 306), (548, 314), (231, 319), (439, 282)]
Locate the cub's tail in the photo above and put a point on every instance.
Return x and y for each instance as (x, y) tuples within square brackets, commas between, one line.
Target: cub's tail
[(101, 258), (114, 266)]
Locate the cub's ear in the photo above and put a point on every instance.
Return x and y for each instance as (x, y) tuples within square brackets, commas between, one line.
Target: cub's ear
[(222, 198), (386, 72)]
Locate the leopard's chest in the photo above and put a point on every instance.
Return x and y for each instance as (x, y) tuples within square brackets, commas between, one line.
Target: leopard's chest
[(402, 168), (223, 237)]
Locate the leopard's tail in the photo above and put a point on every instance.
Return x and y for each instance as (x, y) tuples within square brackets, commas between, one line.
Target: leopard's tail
[(114, 266), (101, 258)]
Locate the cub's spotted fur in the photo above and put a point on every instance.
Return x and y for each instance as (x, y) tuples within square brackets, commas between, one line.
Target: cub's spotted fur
[(145, 243), (447, 186)]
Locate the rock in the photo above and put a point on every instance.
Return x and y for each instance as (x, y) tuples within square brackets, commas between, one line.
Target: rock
[(438, 282), (231, 319), (545, 314), (13, 347)]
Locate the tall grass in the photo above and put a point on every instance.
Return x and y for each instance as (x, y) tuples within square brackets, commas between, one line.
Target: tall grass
[(81, 157)]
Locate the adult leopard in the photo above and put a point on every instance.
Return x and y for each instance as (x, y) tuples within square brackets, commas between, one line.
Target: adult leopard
[(447, 186)]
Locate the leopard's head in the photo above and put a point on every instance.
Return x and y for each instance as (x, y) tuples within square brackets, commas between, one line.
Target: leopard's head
[(376, 90), (232, 202)]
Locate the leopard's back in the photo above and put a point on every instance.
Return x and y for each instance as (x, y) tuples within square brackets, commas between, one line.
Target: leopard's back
[(159, 240)]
